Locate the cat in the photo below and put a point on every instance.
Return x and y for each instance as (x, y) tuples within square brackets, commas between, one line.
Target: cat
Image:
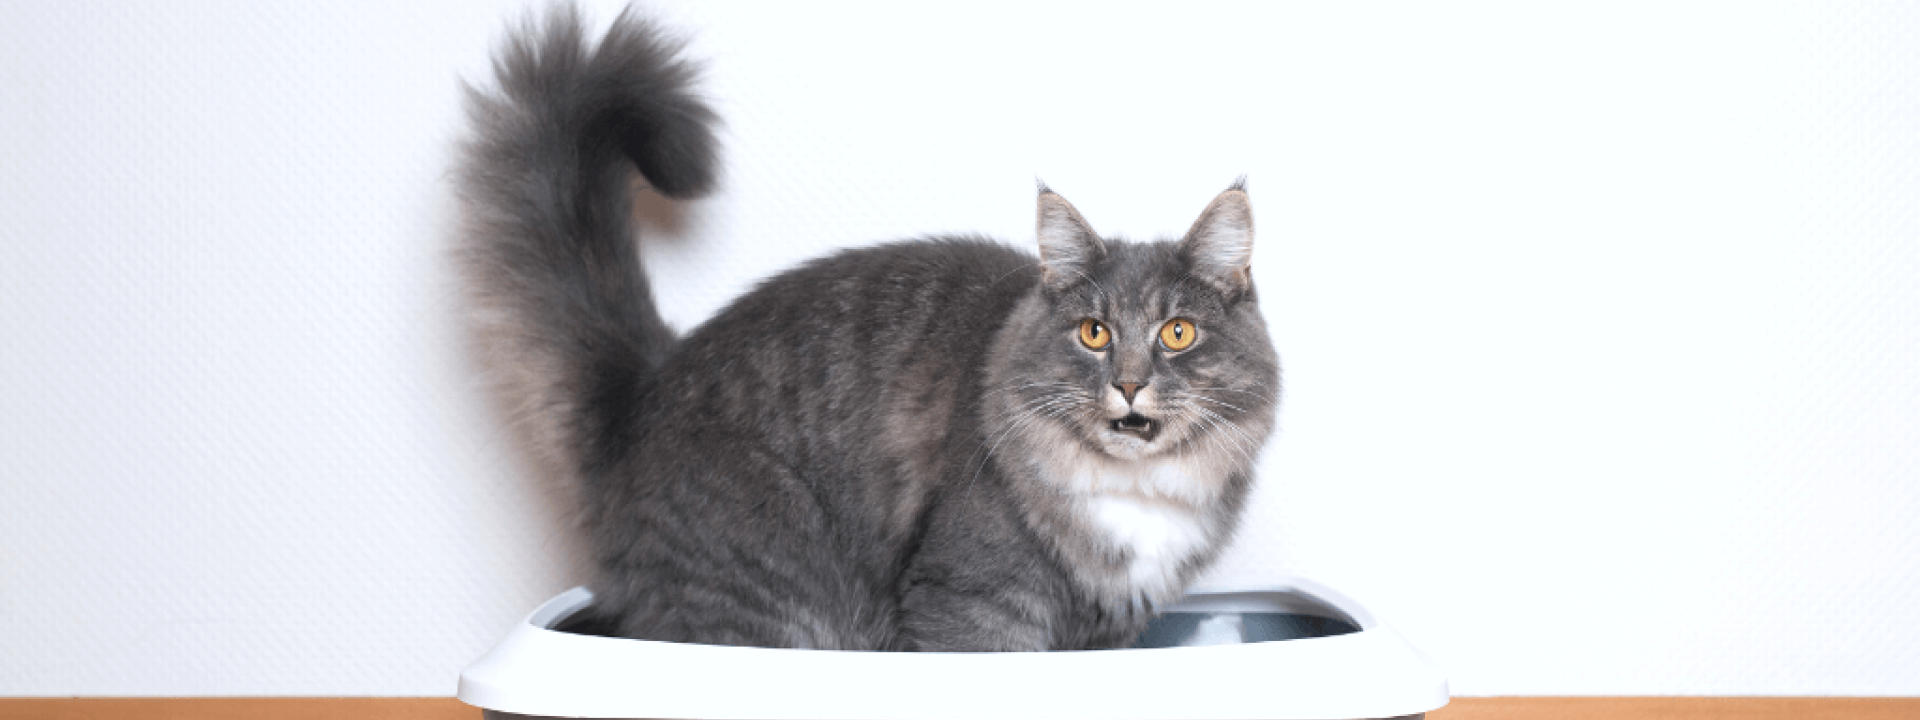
[(943, 444)]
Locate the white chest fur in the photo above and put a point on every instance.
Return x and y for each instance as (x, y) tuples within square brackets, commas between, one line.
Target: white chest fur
[(1158, 535), (1152, 511)]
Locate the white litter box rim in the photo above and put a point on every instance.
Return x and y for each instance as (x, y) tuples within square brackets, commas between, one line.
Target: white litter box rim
[(1372, 673)]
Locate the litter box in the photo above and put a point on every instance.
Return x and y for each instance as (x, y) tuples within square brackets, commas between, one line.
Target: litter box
[(1295, 651)]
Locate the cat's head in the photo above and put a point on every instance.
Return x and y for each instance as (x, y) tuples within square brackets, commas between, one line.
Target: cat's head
[(1141, 351)]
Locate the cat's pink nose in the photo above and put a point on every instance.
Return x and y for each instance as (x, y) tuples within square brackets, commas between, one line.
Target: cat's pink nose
[(1128, 389)]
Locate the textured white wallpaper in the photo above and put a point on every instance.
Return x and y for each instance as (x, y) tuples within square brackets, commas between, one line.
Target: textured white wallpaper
[(1600, 324)]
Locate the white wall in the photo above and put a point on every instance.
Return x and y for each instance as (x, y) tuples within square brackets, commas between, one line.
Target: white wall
[(1600, 324)]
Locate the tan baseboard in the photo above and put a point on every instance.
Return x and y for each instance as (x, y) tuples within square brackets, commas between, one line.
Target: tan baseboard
[(275, 708), (1491, 708), (1678, 708)]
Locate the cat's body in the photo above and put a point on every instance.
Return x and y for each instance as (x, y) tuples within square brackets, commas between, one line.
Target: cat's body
[(910, 447)]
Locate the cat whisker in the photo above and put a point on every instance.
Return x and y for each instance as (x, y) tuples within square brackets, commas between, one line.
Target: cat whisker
[(1228, 405), (1022, 386), (1036, 265), (1096, 283), (1237, 430), (1183, 419), (1228, 447), (1028, 410), (1217, 435), (1234, 390), (1033, 415), (1235, 427)]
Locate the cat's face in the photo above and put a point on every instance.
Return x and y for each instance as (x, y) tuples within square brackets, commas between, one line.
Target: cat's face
[(1142, 351)]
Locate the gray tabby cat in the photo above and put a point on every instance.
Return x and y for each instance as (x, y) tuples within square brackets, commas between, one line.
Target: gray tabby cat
[(941, 444)]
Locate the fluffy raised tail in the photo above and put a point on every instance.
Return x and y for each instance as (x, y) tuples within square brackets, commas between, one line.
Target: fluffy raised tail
[(546, 185)]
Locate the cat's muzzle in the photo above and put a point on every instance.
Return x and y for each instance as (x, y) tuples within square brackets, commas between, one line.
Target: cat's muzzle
[(1137, 425)]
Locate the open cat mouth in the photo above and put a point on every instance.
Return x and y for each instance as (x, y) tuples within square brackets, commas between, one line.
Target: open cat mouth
[(1137, 425)]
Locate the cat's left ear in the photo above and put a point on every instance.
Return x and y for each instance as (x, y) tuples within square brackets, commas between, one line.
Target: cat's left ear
[(1220, 244)]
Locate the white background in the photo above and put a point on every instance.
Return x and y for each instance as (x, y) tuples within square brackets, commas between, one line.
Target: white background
[(1600, 324)]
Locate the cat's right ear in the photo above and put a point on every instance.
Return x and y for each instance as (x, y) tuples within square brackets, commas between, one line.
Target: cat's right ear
[(1068, 245)]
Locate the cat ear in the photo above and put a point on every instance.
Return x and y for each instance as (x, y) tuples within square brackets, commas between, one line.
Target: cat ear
[(1220, 243), (1068, 246)]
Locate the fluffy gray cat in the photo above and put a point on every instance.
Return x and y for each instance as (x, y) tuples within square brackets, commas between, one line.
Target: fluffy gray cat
[(940, 444)]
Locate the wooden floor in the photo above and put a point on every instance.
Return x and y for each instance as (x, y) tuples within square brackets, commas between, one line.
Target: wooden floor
[(1679, 708), (237, 709), (1503, 708)]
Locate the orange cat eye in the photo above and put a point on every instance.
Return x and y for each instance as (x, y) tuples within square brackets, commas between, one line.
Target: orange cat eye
[(1094, 335), (1178, 334)]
